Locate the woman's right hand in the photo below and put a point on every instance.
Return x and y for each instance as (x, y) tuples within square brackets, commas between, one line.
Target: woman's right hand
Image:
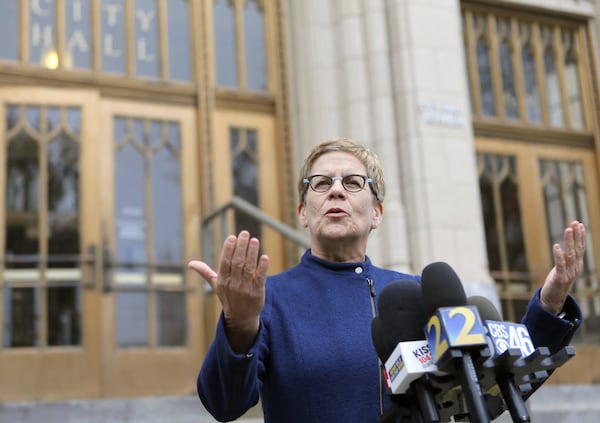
[(240, 286)]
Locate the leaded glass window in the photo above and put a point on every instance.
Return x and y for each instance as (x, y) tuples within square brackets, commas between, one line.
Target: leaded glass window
[(240, 44), (524, 69), (499, 188), (148, 276), (564, 190), (244, 154), (42, 270)]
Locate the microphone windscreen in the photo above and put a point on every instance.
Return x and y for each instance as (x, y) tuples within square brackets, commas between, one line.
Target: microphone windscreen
[(378, 338), (487, 310), (401, 312), (441, 287)]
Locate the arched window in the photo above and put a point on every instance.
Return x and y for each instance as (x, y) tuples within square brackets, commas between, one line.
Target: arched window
[(240, 44)]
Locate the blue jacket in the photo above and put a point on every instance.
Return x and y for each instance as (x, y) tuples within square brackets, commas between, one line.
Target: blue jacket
[(313, 359)]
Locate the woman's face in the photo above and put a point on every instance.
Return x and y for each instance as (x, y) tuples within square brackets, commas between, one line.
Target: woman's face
[(338, 215)]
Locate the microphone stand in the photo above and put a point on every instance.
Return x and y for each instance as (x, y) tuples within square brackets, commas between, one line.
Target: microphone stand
[(426, 399), (467, 375)]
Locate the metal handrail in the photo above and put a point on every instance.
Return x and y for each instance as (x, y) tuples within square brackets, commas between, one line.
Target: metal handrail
[(82, 259), (250, 210)]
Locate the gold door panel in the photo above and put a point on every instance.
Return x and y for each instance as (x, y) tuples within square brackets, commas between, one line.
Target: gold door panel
[(530, 193), (50, 297), (153, 336)]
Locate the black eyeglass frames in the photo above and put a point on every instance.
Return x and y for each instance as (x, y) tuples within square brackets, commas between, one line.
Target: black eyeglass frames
[(323, 183)]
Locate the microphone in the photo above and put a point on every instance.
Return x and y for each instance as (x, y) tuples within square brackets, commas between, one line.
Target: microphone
[(398, 338), (453, 332), (502, 336)]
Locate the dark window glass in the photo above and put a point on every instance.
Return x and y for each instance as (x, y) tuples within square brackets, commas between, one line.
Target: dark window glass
[(63, 197), (225, 44), (54, 130), (180, 65), (488, 102), (514, 309), (532, 95), (114, 49), (64, 314), (513, 230), (9, 29), (256, 58), (553, 89), (503, 228), (572, 83), (244, 151), (21, 318), (78, 49), (489, 218), (22, 168), (171, 319), (502, 213), (511, 105), (146, 39), (22, 185), (484, 69)]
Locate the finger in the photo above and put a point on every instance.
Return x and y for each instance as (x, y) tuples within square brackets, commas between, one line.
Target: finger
[(579, 239), (251, 258), (559, 259), (262, 269), (569, 244), (226, 256), (238, 260), (205, 271)]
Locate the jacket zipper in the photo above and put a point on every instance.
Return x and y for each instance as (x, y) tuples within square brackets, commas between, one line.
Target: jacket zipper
[(372, 295), (379, 363)]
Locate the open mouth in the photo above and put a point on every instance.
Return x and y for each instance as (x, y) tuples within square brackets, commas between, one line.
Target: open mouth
[(335, 212)]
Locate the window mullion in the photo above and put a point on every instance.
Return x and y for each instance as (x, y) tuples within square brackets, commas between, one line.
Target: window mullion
[(59, 37), (131, 53), (492, 39), (25, 52), (538, 54), (43, 225), (517, 45), (241, 45), (150, 262), (163, 45), (96, 42), (585, 80), (560, 71), (472, 63)]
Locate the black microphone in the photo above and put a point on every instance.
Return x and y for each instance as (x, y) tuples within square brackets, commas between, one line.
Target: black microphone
[(453, 332), (504, 335), (396, 331)]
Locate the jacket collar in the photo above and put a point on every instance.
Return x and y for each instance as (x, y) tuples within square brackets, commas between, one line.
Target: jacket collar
[(310, 260)]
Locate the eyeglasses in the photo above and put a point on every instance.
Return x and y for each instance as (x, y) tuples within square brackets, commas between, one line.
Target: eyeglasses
[(323, 183)]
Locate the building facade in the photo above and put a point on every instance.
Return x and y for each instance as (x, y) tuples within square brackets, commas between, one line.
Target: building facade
[(485, 114), (137, 132)]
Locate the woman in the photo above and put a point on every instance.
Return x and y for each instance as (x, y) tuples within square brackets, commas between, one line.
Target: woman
[(301, 340)]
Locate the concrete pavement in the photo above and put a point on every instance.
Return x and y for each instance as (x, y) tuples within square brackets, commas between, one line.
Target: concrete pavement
[(551, 404)]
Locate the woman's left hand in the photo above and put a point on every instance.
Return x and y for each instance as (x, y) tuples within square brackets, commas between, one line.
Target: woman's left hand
[(568, 264)]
